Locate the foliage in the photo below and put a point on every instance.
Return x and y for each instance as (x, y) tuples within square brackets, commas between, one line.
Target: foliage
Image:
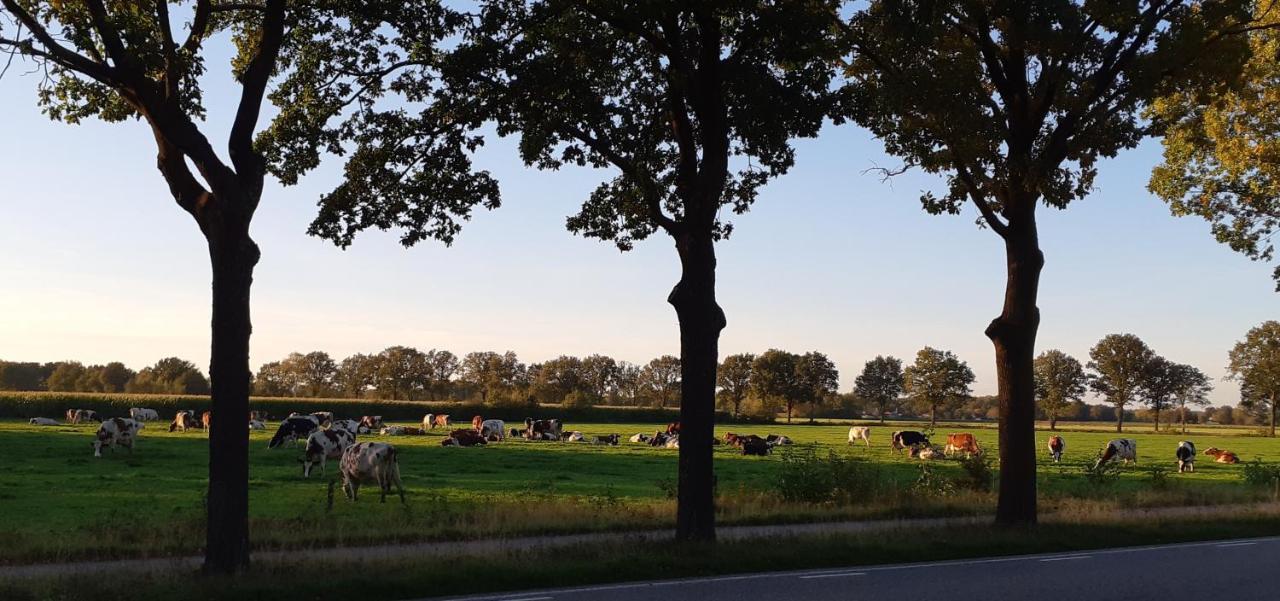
[(880, 383), (1060, 380), (978, 472), (1159, 476), (806, 477), (1119, 363), (734, 379), (660, 379), (1098, 475), (1257, 473), (937, 379), (1255, 364)]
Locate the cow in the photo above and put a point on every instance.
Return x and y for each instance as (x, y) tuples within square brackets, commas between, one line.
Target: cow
[(370, 423), (81, 416), (738, 440), (516, 433), (862, 433), (260, 416), (491, 428), (756, 447), (206, 420), (139, 414), (257, 424), (673, 441), (640, 438), (963, 442), (349, 425), (659, 439), (1056, 446), (183, 421), (576, 436), (1124, 448), (429, 420), (543, 429), (463, 438), (442, 420), (673, 427), (477, 422), (775, 440), (401, 431), (325, 417), (1186, 454), (323, 445), (611, 440), (927, 452), (44, 421), (908, 438), (370, 462), (1221, 456), (115, 431), (294, 428)]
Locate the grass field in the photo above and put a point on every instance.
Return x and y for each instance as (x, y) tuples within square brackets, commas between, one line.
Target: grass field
[(58, 502)]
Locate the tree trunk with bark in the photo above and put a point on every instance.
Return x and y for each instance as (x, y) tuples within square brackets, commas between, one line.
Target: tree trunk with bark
[(701, 321), (233, 255), (1014, 335), (1053, 424), (1157, 411), (1120, 419)]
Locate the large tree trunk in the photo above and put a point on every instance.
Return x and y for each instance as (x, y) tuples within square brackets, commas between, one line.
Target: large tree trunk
[(1273, 415), (1157, 410), (701, 321), (1053, 424), (1120, 418), (1014, 337), (233, 255)]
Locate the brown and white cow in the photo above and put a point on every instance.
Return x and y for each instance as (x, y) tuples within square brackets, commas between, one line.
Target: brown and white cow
[(183, 421), (82, 416), (370, 423), (323, 445), (477, 422), (206, 419), (963, 442), (543, 429), (673, 427), (463, 438), (115, 431), (370, 462), (401, 431), (1221, 456), (862, 433), (1056, 446)]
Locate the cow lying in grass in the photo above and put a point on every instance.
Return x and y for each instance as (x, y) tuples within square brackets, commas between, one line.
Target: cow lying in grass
[(323, 445), (1221, 456), (115, 431), (370, 462), (463, 438), (644, 438), (257, 424), (44, 421), (402, 431), (139, 414)]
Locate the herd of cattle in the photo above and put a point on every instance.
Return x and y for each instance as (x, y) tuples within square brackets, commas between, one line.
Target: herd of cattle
[(326, 437)]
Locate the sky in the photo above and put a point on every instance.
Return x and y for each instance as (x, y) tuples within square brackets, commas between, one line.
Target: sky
[(101, 265)]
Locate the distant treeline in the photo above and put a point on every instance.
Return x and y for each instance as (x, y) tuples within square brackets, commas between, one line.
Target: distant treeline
[(170, 375)]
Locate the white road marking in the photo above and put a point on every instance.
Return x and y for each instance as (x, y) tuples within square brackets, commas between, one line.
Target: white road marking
[(1067, 558), (1234, 545), (834, 575)]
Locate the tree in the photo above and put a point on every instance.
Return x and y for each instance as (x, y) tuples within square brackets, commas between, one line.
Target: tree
[(1255, 364), (1221, 153), (660, 378), (114, 376), (1015, 102), (880, 383), (491, 374), (65, 377), (693, 104), (1190, 386), (1119, 363), (401, 371), (773, 378), (937, 379), (1160, 386), (21, 376), (356, 374), (442, 366), (1060, 381), (816, 380), (315, 371), (734, 379), (629, 383), (554, 380), (598, 373), (274, 379)]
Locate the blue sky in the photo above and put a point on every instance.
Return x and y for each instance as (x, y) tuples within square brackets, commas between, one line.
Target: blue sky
[(102, 265)]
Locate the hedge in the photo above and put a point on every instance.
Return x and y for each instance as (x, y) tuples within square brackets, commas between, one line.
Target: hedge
[(54, 405)]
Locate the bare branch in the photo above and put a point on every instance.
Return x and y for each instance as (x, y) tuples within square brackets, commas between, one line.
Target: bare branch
[(54, 51)]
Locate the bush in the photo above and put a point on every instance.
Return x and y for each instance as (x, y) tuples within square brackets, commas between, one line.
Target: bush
[(932, 484), (978, 474), (1102, 474), (808, 478), (1159, 476), (1257, 473)]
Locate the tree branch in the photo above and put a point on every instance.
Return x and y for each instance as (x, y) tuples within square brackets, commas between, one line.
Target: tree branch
[(199, 26), (643, 181), (254, 82), (54, 51)]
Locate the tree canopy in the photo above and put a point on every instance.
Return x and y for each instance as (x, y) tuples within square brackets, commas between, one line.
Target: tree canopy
[(880, 383), (1255, 364), (1060, 381), (937, 379), (1120, 364)]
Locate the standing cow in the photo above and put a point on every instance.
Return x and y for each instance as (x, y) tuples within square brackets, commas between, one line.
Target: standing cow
[(115, 431), (908, 438), (1186, 454), (963, 442), (862, 433), (1123, 448), (370, 462), (1056, 446), (323, 445), (183, 421), (493, 427), (82, 416), (139, 414), (294, 428)]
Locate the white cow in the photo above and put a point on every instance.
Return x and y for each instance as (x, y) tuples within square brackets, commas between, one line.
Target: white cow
[(576, 436), (325, 444), (493, 427), (862, 433), (370, 462), (142, 414), (257, 424), (43, 421), (115, 431), (640, 438), (1123, 448)]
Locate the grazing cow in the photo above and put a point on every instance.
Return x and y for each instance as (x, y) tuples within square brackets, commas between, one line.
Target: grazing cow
[(349, 425), (442, 421), (862, 433), (908, 438), (43, 421), (429, 420), (775, 440), (323, 445), (611, 440), (673, 427), (370, 423), (82, 416), (115, 431), (1056, 446), (257, 424), (294, 428), (139, 414), (370, 462), (183, 421), (1124, 448), (543, 429), (402, 431), (206, 419), (477, 422), (963, 442), (576, 436), (756, 447), (493, 428), (640, 438), (1186, 454), (463, 438), (1221, 456)]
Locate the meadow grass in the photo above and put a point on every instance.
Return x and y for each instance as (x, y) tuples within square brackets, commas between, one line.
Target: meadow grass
[(58, 502)]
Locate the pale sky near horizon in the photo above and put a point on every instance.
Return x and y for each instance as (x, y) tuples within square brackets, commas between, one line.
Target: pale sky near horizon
[(101, 265)]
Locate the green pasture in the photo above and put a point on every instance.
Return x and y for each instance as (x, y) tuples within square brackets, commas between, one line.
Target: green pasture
[(57, 501)]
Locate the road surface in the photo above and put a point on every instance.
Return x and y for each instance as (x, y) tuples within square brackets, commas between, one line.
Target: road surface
[(1234, 570)]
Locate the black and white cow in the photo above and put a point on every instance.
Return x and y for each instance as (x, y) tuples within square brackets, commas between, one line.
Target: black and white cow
[(1123, 448), (908, 438), (294, 428), (611, 440), (350, 425), (370, 462), (115, 431), (1186, 454), (325, 444), (142, 414), (43, 421), (543, 429), (493, 427)]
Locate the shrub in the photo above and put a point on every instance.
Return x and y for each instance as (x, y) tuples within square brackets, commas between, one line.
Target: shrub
[(978, 474), (808, 478), (1102, 474), (932, 484), (1159, 476), (1257, 473)]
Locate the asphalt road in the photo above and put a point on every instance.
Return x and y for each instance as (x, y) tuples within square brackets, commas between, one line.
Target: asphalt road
[(1234, 570)]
